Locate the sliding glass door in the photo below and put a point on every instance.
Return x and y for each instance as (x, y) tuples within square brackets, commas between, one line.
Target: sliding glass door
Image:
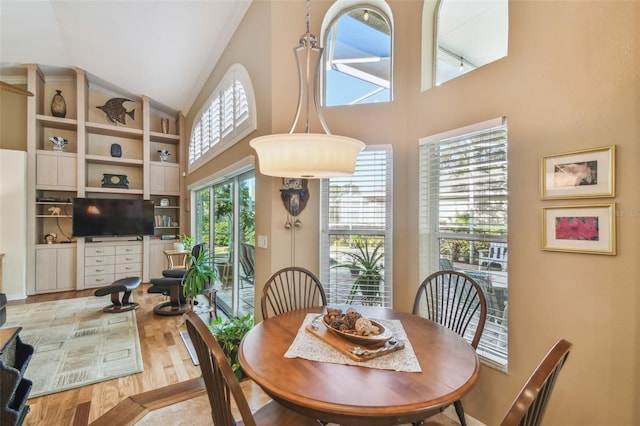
[(225, 217)]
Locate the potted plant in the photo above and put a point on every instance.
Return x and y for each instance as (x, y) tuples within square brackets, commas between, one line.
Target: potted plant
[(367, 263), (229, 334), (199, 275), (186, 241)]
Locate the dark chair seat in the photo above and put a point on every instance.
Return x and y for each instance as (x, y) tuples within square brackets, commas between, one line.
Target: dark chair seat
[(124, 285), (170, 284)]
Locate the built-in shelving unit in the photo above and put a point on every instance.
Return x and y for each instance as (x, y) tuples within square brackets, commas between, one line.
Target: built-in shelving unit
[(96, 147)]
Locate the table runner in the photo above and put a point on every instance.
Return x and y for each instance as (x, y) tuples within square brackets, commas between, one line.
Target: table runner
[(310, 347)]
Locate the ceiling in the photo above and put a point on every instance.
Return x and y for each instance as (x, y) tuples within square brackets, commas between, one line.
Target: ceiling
[(163, 49)]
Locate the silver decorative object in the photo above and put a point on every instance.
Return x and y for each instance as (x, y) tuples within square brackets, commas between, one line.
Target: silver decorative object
[(164, 154), (58, 142)]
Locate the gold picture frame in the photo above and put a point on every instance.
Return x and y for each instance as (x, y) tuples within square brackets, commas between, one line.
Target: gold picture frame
[(589, 228), (588, 173)]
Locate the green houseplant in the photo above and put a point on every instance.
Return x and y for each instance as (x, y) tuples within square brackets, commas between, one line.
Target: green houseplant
[(229, 334), (186, 241), (200, 273), (367, 263)]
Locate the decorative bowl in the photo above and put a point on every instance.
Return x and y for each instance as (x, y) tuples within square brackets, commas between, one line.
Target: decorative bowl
[(371, 341)]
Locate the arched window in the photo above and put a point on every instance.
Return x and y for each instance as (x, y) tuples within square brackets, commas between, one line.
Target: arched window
[(228, 116), (469, 35), (357, 58)]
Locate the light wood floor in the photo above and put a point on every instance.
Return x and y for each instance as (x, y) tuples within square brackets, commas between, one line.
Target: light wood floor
[(166, 361)]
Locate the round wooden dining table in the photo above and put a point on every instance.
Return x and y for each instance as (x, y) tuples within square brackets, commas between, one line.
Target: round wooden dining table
[(355, 395)]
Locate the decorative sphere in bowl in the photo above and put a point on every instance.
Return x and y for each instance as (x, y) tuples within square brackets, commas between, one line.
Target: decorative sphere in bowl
[(372, 340)]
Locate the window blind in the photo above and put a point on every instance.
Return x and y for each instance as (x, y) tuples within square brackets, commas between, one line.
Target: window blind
[(463, 217), (228, 117), (356, 218)]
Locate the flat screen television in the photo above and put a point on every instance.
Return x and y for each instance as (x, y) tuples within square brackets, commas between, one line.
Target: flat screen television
[(95, 217)]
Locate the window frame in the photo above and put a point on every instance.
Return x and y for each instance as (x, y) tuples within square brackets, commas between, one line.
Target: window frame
[(386, 232), (235, 81), (431, 233), (335, 12)]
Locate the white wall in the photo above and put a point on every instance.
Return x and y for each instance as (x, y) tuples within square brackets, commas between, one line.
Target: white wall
[(13, 222)]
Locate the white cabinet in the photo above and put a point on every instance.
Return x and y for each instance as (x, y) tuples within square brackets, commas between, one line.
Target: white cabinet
[(164, 178), (106, 262), (56, 170), (55, 267), (157, 258)]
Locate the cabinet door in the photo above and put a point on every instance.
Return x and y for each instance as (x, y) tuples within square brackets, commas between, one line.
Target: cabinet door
[(156, 178), (67, 173), (157, 259), (46, 170), (46, 270), (172, 179), (66, 273)]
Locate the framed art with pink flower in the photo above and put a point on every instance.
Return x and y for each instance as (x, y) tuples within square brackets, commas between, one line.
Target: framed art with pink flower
[(579, 229), (589, 173)]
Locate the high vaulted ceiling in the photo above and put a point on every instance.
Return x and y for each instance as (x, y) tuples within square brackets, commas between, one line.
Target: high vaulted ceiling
[(164, 49)]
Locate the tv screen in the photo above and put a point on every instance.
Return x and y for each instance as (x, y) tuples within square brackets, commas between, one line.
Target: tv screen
[(93, 217)]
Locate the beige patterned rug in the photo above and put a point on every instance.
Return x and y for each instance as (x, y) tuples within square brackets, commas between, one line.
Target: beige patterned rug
[(75, 343)]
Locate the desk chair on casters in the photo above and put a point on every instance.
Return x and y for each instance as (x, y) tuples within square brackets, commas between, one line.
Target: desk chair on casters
[(289, 289), (452, 299), (223, 386)]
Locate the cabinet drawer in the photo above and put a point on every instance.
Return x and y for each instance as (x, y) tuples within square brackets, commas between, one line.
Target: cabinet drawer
[(128, 258), (98, 280), (130, 268), (99, 260), (129, 249), (99, 270), (100, 251)]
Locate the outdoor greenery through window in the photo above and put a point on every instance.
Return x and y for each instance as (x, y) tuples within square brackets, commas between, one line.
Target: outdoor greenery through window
[(225, 218), (356, 265), (463, 219)]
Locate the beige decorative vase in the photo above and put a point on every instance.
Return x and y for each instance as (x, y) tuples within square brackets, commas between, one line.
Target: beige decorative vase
[(58, 105)]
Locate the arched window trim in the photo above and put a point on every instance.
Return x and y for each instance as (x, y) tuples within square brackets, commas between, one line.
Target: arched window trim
[(340, 8), (239, 126)]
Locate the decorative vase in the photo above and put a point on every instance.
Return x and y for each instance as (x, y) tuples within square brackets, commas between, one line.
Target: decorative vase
[(58, 105), (178, 246), (164, 122)]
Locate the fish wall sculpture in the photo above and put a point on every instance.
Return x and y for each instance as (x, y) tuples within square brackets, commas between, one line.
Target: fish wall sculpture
[(116, 111)]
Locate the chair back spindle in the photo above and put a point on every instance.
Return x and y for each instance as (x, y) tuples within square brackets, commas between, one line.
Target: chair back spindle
[(289, 289)]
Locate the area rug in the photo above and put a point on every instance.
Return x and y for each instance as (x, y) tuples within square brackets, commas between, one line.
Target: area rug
[(76, 343)]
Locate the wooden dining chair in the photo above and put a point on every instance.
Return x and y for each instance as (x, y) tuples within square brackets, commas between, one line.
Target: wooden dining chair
[(289, 289), (454, 300), (223, 386), (531, 403)]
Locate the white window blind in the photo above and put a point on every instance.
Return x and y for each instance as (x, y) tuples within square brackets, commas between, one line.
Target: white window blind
[(463, 219), (356, 218), (228, 117)]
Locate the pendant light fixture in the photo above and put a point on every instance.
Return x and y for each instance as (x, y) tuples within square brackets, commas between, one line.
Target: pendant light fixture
[(307, 155)]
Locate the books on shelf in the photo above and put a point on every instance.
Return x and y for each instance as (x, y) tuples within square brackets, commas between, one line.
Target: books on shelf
[(165, 221)]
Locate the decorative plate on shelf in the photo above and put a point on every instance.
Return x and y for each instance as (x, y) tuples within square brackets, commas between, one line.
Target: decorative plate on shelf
[(372, 340)]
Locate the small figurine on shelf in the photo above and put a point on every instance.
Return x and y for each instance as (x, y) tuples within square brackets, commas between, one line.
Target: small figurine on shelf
[(164, 154), (58, 142)]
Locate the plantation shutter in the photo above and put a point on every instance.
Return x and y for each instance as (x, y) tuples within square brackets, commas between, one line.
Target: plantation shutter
[(463, 203), (357, 207)]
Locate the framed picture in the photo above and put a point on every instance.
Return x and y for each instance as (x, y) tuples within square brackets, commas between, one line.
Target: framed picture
[(579, 229), (588, 173)]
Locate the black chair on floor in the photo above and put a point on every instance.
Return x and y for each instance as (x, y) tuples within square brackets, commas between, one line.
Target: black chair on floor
[(170, 284)]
